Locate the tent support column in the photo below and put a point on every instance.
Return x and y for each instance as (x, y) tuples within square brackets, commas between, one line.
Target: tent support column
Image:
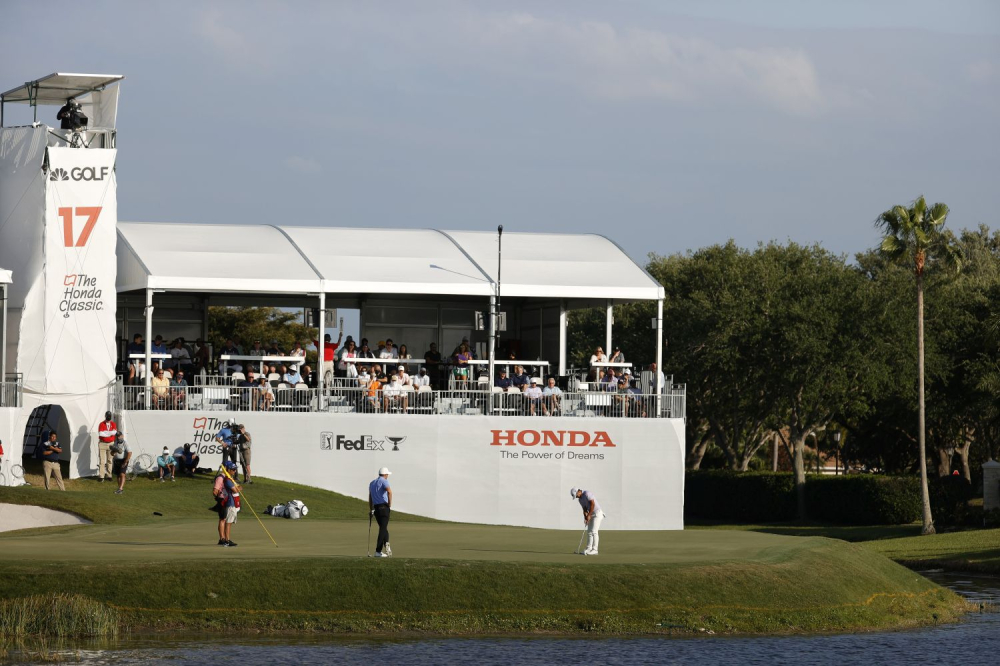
[(659, 356), (493, 347), (3, 335), (563, 320), (608, 322), (148, 311), (321, 356)]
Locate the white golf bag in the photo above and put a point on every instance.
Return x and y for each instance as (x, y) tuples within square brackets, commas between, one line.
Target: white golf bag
[(295, 509)]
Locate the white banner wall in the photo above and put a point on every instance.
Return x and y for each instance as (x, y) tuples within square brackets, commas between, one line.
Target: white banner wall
[(11, 446), (68, 323), (489, 470)]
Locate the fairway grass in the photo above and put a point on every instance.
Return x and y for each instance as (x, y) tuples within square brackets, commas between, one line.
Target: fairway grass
[(166, 573)]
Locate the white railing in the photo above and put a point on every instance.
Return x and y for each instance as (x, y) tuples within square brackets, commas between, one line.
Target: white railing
[(389, 400), (10, 393)]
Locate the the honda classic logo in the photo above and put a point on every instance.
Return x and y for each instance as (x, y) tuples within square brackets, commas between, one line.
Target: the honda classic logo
[(328, 441), (550, 438), (203, 438)]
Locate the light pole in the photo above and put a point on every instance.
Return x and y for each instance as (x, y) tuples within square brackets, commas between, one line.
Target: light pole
[(495, 312), (836, 453)]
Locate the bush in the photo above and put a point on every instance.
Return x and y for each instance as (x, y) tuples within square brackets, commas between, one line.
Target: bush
[(739, 496), (750, 497), (863, 499), (950, 497)]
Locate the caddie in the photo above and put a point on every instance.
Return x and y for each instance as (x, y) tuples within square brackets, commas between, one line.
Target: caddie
[(379, 504), (592, 517), (121, 455), (106, 433)]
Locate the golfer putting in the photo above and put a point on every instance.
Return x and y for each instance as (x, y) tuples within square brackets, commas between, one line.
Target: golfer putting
[(379, 503), (592, 517)]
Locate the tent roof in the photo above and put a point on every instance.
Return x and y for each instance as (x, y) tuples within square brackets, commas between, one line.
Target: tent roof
[(57, 88), (296, 260)]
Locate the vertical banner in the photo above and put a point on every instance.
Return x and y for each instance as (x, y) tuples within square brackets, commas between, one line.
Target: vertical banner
[(73, 323)]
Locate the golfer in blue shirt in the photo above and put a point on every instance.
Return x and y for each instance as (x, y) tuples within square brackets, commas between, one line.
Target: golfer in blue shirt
[(379, 503)]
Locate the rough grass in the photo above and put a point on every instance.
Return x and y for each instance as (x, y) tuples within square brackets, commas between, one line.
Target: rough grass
[(165, 572), (57, 615), (977, 550)]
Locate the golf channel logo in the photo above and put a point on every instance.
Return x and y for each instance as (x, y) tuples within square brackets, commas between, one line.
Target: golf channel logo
[(79, 173), (203, 440), (329, 441)]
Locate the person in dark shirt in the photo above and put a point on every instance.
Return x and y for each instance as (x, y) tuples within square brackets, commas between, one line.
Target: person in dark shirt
[(134, 347), (50, 460), (503, 381)]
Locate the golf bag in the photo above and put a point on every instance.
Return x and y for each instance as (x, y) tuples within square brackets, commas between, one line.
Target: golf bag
[(294, 510)]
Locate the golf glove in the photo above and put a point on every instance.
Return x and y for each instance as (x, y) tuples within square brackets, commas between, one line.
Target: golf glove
[(371, 512)]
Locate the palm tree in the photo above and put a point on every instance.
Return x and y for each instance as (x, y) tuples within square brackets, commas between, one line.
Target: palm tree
[(915, 237)]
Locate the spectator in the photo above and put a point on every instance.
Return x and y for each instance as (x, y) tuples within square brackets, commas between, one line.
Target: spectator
[(230, 348), (596, 371), (461, 360), (374, 393), (329, 353), (623, 397), (345, 369), (158, 346), (290, 376), (264, 398), (135, 365), (308, 376), (122, 454), (166, 464), (433, 357), (50, 461), (533, 395), (365, 351), (503, 381), (180, 357), (520, 378), (106, 432), (404, 353), (617, 356), (393, 395), (178, 390), (188, 461), (553, 397), (389, 351), (161, 390), (654, 375), (274, 349), (465, 341), (402, 376), (421, 379), (202, 357), (299, 352)]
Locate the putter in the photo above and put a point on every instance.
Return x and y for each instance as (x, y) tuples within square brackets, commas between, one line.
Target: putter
[(582, 534), (368, 542)]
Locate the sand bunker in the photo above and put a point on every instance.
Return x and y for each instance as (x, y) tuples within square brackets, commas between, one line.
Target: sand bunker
[(22, 517)]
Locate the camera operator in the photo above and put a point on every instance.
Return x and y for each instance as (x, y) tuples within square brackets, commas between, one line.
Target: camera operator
[(241, 442), (71, 116)]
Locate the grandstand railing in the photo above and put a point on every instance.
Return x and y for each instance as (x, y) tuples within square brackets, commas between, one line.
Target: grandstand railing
[(353, 399), (11, 393)]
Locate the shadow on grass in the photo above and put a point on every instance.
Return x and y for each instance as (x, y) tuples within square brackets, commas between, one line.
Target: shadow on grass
[(852, 533)]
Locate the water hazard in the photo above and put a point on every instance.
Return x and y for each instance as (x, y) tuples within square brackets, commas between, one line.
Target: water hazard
[(975, 640)]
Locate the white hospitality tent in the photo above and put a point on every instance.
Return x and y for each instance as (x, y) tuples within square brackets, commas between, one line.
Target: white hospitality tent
[(412, 271)]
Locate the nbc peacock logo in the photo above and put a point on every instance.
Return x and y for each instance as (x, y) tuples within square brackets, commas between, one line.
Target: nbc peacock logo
[(58, 174)]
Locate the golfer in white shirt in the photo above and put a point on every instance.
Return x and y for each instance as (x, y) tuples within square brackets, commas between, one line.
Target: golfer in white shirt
[(592, 516)]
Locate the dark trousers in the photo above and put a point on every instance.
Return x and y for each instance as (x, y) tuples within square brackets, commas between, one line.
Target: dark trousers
[(382, 518), (229, 453)]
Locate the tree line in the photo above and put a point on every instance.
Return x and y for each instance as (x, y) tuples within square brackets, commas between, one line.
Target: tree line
[(792, 343)]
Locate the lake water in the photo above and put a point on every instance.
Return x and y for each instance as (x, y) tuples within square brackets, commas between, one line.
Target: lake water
[(976, 640)]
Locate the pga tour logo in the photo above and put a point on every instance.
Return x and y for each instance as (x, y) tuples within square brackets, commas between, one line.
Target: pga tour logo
[(328, 441)]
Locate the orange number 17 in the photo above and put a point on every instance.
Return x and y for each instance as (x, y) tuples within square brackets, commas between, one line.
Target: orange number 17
[(90, 212)]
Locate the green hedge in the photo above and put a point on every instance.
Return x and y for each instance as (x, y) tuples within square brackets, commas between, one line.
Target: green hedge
[(748, 497)]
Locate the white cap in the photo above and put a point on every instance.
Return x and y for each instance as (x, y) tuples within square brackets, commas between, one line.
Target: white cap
[(401, 368), (166, 450), (573, 492), (384, 471)]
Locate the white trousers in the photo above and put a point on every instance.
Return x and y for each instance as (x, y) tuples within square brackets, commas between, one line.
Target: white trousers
[(593, 529)]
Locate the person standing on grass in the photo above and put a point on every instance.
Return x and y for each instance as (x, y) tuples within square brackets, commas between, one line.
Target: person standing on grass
[(379, 503), (241, 442), (225, 441), (105, 438), (121, 455), (226, 490), (592, 517), (50, 461)]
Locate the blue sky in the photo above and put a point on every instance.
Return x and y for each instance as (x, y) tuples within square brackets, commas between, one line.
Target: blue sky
[(664, 125)]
